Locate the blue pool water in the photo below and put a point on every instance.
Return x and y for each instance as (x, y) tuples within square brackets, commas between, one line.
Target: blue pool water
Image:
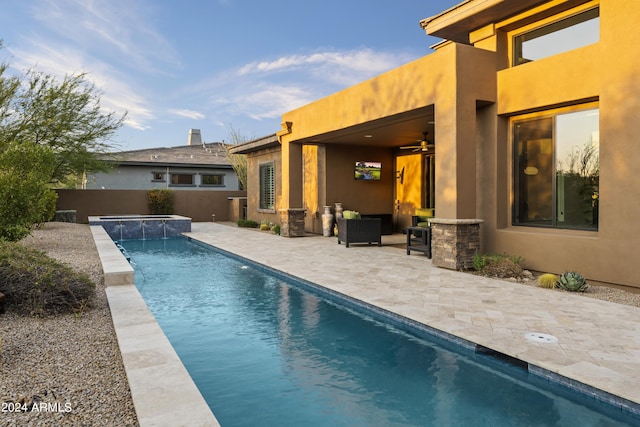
[(265, 351)]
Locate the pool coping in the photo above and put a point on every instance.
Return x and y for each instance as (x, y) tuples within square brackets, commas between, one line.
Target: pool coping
[(162, 390)]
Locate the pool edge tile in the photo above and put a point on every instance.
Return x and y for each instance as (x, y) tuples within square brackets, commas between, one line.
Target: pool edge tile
[(160, 385)]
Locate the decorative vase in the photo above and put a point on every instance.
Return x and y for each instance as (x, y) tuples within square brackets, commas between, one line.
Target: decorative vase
[(338, 210), (327, 222)]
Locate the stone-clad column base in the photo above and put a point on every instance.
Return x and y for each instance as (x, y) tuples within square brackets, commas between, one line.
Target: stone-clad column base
[(292, 222), (454, 242)]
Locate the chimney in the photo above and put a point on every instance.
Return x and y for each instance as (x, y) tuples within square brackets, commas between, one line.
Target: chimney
[(194, 137)]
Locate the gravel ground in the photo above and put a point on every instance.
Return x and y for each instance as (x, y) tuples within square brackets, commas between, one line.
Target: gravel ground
[(600, 291), (73, 364), (70, 366)]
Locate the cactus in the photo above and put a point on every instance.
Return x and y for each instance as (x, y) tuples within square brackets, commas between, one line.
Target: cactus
[(572, 281), (548, 281)]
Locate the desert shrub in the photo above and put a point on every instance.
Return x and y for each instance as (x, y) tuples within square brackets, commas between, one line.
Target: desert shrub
[(500, 266), (572, 282), (160, 201), (247, 223), (25, 170), (276, 229), (35, 284), (548, 281)]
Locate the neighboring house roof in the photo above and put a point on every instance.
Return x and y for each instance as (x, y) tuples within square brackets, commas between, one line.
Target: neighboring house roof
[(205, 155)]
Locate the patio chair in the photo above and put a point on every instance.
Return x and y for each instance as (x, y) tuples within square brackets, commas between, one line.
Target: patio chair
[(417, 239), (423, 217)]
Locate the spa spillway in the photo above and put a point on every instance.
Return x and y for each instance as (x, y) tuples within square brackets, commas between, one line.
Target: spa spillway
[(124, 227)]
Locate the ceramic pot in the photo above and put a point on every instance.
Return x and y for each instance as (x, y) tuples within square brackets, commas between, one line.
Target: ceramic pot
[(327, 222)]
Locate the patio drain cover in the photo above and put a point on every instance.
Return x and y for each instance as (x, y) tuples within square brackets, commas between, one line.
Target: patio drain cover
[(541, 338)]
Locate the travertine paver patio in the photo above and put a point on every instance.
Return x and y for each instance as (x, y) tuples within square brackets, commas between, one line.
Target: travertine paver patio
[(598, 342)]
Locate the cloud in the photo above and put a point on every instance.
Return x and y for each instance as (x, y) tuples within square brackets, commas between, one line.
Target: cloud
[(264, 90), (115, 93), (189, 114), (345, 68), (113, 41), (121, 98), (118, 29), (271, 101)]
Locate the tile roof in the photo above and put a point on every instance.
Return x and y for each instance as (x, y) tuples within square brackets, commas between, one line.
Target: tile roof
[(207, 154)]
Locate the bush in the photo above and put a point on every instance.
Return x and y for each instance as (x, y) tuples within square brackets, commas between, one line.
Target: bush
[(265, 225), (160, 202), (500, 266), (35, 284), (27, 200), (247, 223)]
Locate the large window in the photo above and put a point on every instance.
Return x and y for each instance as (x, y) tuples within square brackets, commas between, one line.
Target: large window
[(560, 36), (557, 170), (267, 187), (182, 179), (212, 180)]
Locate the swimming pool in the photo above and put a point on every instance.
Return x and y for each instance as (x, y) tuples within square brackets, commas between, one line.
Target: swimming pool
[(264, 351)]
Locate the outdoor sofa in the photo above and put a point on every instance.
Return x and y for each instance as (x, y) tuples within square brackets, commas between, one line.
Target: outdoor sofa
[(359, 230)]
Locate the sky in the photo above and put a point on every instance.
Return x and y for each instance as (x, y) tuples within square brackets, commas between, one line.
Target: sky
[(221, 66)]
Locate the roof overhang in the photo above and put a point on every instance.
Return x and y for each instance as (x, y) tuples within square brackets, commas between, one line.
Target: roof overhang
[(456, 23), (261, 143), (390, 131)]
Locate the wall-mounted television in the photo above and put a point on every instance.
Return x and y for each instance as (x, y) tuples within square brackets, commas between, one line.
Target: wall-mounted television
[(368, 171)]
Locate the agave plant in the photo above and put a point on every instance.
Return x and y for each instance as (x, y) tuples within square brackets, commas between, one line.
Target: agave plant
[(572, 281)]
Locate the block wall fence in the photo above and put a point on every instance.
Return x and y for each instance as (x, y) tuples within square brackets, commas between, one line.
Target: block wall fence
[(200, 206)]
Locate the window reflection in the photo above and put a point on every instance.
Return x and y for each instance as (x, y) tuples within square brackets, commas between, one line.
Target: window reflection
[(212, 179), (561, 36), (181, 179), (557, 170)]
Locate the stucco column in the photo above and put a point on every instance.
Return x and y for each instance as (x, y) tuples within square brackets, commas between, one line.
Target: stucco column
[(471, 82), (291, 175), (456, 230), (292, 212), (455, 157)]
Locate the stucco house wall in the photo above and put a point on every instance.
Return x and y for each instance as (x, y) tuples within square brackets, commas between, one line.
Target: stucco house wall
[(254, 160), (470, 95), (602, 75)]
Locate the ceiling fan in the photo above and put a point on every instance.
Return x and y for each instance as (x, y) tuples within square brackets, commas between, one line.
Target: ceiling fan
[(423, 145)]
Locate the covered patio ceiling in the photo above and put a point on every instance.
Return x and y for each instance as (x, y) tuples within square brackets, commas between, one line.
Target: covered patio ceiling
[(392, 131)]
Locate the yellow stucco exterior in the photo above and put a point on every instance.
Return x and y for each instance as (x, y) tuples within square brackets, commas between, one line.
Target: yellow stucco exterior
[(467, 95)]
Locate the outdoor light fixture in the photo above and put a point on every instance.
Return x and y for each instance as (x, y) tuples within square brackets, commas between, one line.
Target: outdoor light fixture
[(422, 145)]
